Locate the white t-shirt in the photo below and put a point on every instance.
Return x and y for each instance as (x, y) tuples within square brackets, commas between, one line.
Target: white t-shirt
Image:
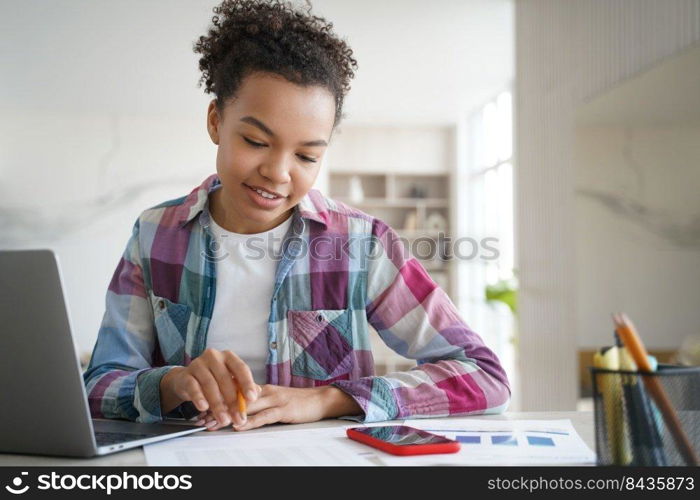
[(245, 277)]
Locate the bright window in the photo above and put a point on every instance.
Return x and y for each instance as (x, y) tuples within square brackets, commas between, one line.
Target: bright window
[(486, 208)]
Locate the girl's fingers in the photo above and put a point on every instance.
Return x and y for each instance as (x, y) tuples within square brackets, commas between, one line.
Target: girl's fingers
[(209, 421), (200, 419), (265, 417), (262, 403), (227, 386), (211, 391), (244, 377), (191, 391)]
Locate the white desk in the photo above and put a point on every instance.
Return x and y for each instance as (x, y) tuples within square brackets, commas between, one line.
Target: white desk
[(582, 421)]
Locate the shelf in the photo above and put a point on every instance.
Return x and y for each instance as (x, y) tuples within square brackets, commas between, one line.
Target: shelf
[(394, 173), (401, 188), (404, 197), (417, 233), (435, 269), (395, 202)]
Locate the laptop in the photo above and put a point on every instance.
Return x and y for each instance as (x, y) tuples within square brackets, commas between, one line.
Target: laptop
[(43, 402)]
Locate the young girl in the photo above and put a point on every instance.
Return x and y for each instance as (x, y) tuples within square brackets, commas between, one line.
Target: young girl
[(256, 283)]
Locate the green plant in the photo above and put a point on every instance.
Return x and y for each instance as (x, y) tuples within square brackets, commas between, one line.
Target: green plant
[(505, 291)]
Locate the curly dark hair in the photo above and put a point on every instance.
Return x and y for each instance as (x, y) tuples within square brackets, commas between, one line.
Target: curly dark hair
[(272, 36)]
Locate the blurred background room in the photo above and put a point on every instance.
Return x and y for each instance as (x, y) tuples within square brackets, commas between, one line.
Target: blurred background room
[(541, 159)]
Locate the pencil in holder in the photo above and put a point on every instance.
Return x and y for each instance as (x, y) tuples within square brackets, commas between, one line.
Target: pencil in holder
[(629, 427)]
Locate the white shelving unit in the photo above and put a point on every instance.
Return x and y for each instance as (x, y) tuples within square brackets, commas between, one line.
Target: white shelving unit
[(405, 175), (388, 196), (417, 206)]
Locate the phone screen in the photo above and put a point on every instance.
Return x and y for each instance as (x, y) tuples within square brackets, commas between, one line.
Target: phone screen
[(402, 435)]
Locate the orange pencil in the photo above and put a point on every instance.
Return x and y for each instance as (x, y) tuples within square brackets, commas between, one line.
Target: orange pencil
[(635, 347), (241, 402)]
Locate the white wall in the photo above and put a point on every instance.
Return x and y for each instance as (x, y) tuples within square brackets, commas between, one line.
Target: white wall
[(426, 149), (75, 182), (423, 62), (637, 239), (419, 62), (568, 51)]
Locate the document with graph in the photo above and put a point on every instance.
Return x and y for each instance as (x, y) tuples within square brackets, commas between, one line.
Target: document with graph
[(502, 442)]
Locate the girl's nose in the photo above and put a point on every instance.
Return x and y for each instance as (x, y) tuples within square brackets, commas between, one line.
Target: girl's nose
[(276, 169)]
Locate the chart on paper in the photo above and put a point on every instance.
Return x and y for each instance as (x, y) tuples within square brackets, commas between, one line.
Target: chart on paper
[(502, 442), (507, 437)]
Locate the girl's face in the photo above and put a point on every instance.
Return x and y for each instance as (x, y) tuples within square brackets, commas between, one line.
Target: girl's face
[(272, 136)]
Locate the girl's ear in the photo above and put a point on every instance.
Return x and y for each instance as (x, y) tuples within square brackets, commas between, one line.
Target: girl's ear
[(213, 122)]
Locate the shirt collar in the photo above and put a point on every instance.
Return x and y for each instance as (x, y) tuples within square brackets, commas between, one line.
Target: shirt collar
[(310, 207)]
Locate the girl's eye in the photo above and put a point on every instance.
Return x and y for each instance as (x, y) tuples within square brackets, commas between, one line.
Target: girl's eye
[(258, 145), (307, 159), (253, 143)]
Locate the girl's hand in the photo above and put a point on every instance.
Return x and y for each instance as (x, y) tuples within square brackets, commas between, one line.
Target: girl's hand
[(211, 382), (208, 418), (292, 405)]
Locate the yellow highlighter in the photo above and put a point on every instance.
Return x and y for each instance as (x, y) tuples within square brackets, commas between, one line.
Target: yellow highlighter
[(609, 385)]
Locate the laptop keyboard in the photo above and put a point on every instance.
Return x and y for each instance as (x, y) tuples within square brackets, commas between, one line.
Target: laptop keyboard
[(107, 438)]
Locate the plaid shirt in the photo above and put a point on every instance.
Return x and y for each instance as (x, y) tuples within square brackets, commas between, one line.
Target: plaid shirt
[(160, 301)]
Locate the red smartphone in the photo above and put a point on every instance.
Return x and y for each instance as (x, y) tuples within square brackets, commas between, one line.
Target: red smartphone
[(403, 440)]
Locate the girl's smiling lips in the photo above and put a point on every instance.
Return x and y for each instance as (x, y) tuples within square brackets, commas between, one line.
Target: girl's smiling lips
[(262, 202), (279, 195)]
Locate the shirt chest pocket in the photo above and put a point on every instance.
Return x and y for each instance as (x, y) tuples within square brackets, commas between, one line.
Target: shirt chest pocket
[(171, 321), (321, 343)]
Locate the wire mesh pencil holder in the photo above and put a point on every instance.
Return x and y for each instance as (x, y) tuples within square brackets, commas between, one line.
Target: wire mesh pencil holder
[(631, 429)]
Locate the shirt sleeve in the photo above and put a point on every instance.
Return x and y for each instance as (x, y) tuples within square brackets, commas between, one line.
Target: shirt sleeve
[(457, 374), (121, 380)]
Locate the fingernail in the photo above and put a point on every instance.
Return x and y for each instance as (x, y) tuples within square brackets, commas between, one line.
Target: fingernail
[(202, 404), (211, 424), (251, 395), (199, 422)]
